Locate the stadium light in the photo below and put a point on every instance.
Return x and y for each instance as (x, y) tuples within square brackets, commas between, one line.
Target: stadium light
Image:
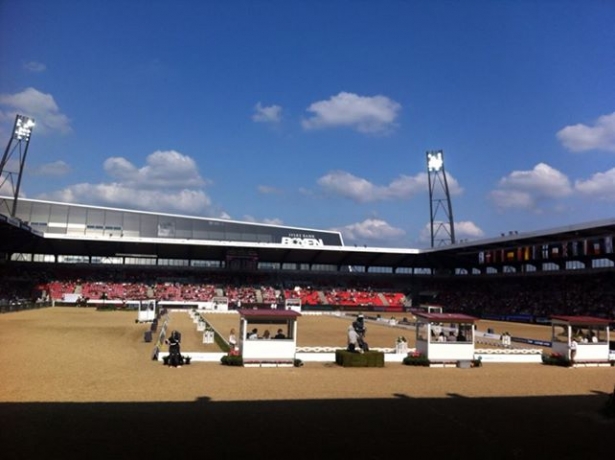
[(23, 127), (439, 198), (435, 161), (18, 145)]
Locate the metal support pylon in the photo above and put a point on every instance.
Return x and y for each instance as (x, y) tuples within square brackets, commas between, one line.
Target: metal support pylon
[(442, 225), (11, 172)]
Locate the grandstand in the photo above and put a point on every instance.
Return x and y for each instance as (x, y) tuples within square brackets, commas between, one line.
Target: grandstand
[(65, 253), (56, 260)]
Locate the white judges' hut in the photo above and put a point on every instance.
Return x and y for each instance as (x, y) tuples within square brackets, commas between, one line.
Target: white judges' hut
[(590, 334), (445, 337), (268, 337), (146, 309)]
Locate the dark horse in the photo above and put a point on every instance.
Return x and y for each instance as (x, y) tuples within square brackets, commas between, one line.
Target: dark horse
[(175, 357)]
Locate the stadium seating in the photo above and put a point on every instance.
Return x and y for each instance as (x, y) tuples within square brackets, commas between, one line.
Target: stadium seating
[(535, 296)]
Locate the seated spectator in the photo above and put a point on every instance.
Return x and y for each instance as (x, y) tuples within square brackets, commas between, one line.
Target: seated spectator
[(593, 338), (266, 335), (280, 335), (253, 335), (451, 337)]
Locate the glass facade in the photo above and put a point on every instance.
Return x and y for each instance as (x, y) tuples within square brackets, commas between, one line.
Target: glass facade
[(80, 220)]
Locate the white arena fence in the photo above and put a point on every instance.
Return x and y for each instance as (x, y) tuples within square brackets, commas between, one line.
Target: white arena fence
[(512, 354)]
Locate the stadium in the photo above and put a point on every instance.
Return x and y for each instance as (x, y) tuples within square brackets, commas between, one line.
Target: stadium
[(79, 373), (559, 271)]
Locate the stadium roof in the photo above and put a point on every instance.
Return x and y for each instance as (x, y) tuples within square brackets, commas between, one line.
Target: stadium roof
[(16, 236), (256, 314), (580, 320), (446, 317)]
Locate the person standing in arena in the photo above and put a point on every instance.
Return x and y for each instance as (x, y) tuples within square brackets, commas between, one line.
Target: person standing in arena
[(175, 357), (353, 339), (573, 349), (232, 341)]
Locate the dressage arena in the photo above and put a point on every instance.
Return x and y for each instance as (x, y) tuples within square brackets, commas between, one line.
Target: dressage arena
[(77, 382)]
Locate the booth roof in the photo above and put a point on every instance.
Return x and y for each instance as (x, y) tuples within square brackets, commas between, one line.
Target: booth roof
[(266, 313), (580, 319), (447, 317)]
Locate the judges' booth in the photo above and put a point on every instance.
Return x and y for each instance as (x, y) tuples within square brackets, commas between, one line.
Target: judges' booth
[(146, 310), (268, 337), (219, 303), (445, 337), (431, 308), (293, 304), (591, 335)]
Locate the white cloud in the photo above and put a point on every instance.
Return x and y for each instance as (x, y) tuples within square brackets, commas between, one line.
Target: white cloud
[(349, 186), (268, 114), (405, 187), (370, 229), (464, 230), (119, 195), (169, 182), (543, 179), (580, 137), (163, 169), (34, 66), (8, 180), (40, 106), (274, 221), (7, 188), (525, 189), (56, 168), (361, 190), (12, 165), (601, 185), (467, 229), (366, 114), (512, 199), (268, 190)]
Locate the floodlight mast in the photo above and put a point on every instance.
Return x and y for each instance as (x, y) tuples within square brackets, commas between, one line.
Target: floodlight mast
[(439, 200), (19, 141)]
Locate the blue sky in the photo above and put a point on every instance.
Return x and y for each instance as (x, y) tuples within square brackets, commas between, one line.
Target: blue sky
[(318, 114)]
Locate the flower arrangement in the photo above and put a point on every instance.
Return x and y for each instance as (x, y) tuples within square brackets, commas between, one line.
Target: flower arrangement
[(401, 339), (556, 359), (232, 360), (416, 358)]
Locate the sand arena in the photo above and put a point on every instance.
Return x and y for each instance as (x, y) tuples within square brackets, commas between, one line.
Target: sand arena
[(80, 383)]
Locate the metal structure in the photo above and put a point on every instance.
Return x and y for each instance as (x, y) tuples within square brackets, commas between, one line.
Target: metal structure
[(35, 235), (12, 173), (442, 225)]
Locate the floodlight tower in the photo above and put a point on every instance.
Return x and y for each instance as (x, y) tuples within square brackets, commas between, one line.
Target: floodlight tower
[(439, 200), (19, 142)]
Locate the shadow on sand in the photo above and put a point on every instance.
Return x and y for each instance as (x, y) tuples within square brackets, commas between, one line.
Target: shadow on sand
[(455, 427)]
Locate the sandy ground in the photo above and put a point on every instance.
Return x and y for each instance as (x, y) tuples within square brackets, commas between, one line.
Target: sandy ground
[(80, 383), (330, 331)]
